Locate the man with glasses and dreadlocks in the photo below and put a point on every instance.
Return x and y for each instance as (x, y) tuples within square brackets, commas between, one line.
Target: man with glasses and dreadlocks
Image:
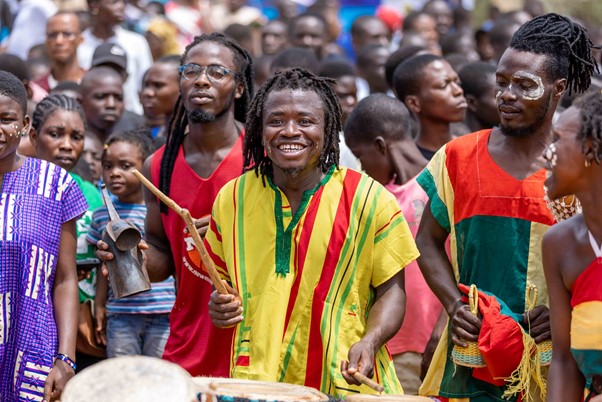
[(486, 192), (203, 151), (314, 253)]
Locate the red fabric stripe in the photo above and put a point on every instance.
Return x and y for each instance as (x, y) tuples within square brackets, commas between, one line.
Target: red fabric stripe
[(494, 192), (301, 250), (242, 361), (313, 369), (213, 228), (215, 258), (582, 290), (387, 224)]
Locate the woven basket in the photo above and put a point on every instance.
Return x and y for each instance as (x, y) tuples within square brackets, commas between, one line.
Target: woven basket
[(544, 349), (469, 356)]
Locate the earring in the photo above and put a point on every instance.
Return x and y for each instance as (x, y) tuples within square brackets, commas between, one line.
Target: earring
[(587, 163), (23, 133)]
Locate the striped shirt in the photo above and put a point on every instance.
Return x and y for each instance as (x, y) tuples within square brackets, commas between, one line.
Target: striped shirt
[(495, 223), (307, 280), (161, 297)]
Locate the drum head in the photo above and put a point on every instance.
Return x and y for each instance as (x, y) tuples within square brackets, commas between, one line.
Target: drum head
[(131, 379), (387, 398), (228, 389)]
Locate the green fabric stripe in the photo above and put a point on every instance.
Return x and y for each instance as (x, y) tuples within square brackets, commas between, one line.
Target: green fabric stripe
[(589, 361), (395, 222), (358, 251), (493, 253), (240, 248), (284, 237), (438, 207), (240, 237), (287, 214), (287, 356)]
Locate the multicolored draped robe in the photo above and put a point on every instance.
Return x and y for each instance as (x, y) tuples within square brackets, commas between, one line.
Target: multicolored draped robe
[(495, 223)]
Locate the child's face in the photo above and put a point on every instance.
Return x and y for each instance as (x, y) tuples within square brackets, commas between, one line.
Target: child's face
[(13, 124), (119, 159), (60, 139)]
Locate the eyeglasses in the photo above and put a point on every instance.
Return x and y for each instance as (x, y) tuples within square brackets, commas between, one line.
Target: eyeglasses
[(55, 35), (215, 72)]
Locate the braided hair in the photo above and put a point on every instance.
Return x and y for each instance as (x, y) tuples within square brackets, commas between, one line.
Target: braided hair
[(255, 157), (566, 44), (179, 119), (52, 103), (590, 109)]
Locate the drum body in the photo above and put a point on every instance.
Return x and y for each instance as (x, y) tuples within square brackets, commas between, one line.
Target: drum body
[(131, 379), (234, 390), (387, 398)]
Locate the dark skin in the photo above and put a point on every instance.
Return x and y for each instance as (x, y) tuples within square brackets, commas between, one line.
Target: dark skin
[(520, 157), (13, 122), (205, 146), (297, 117), (66, 306), (63, 48), (566, 247), (439, 103)]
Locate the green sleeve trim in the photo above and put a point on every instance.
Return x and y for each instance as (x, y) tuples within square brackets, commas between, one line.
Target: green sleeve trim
[(438, 207)]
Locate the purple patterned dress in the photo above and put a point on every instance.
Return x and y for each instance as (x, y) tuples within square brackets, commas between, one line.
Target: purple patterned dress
[(35, 201)]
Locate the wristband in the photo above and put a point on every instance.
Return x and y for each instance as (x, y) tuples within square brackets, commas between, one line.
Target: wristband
[(67, 360)]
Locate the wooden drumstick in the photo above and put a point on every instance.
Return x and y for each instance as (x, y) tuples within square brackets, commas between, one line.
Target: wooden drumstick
[(198, 242), (369, 382)]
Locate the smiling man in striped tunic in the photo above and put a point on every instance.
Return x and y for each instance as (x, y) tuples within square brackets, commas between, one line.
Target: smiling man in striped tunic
[(314, 253)]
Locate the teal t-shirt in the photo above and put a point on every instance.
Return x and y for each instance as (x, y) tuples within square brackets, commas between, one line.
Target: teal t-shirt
[(87, 287)]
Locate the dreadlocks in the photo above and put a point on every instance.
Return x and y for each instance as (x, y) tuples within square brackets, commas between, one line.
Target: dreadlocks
[(179, 119), (255, 157), (567, 45), (52, 103), (590, 109)]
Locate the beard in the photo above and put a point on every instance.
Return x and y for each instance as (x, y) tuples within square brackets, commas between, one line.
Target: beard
[(202, 116), (525, 131)]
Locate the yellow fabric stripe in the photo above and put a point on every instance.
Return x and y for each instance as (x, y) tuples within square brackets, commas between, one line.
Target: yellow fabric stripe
[(585, 327), (535, 275), (445, 190), (431, 386)]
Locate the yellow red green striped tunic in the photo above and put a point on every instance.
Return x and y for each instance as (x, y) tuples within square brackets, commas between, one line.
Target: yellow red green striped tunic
[(307, 280)]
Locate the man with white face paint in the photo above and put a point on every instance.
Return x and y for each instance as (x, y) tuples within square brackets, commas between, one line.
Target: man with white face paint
[(486, 193)]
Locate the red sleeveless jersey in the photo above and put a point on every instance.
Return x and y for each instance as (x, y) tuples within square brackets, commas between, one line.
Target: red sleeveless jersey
[(194, 343)]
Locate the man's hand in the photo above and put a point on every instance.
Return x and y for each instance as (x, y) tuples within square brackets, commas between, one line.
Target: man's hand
[(60, 373), (538, 322), (465, 326), (225, 310), (104, 255), (361, 358), (201, 225)]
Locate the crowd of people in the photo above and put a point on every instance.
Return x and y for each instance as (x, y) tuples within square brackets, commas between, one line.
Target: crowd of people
[(413, 200)]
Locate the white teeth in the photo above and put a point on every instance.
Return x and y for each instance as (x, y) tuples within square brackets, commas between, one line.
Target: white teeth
[(290, 148)]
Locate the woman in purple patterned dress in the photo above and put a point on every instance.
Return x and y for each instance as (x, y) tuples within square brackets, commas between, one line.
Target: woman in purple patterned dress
[(39, 204)]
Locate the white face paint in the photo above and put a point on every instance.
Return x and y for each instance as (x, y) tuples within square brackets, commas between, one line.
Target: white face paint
[(534, 92), (498, 95), (11, 130), (551, 155), (526, 85)]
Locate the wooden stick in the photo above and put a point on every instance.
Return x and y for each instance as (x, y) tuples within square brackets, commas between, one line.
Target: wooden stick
[(198, 242), (368, 381)]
